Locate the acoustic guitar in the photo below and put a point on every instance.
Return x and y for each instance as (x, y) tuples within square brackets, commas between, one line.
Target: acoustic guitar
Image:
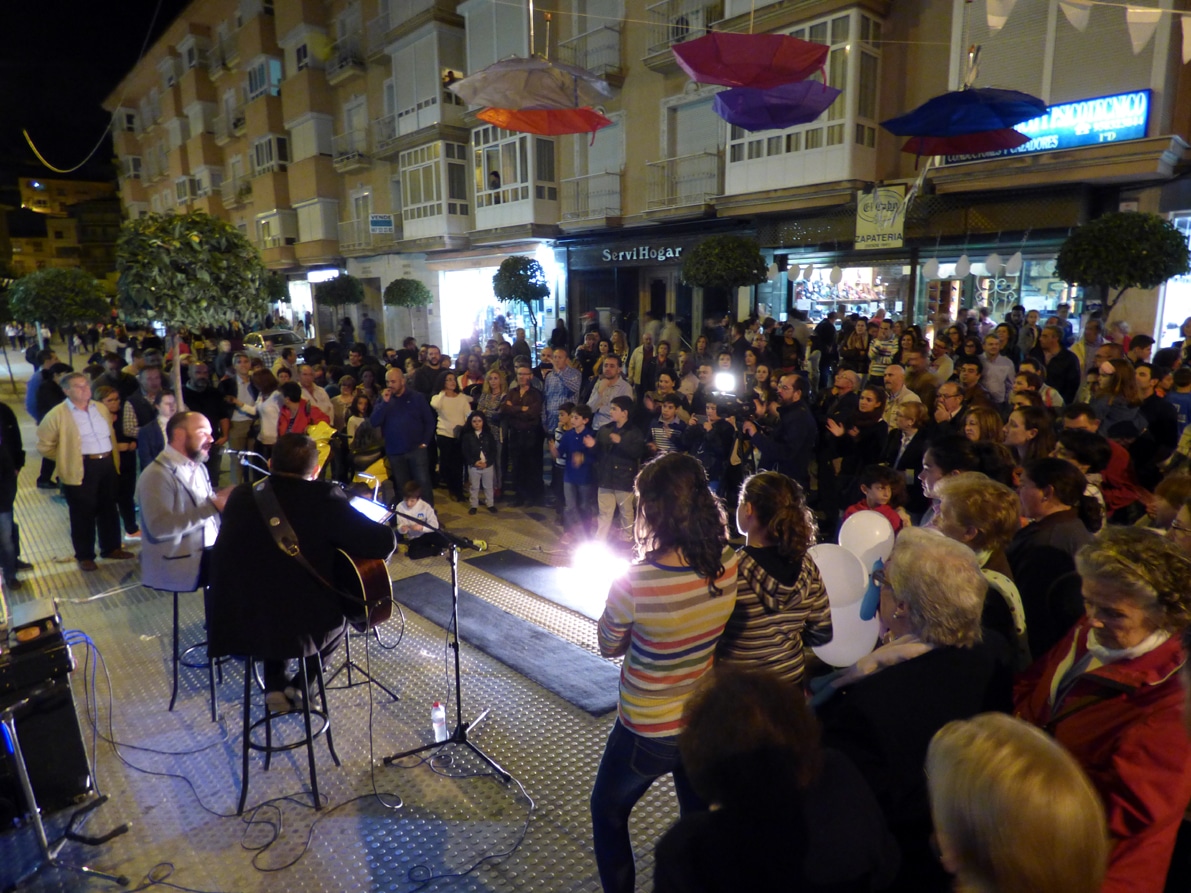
[(367, 581)]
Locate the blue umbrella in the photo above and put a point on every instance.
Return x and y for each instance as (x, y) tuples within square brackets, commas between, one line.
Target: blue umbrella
[(776, 108), (975, 110)]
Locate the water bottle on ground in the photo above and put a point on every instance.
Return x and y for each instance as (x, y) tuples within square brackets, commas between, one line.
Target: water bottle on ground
[(438, 721)]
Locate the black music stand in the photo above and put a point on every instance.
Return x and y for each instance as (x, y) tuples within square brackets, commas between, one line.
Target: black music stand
[(50, 850), (454, 543)]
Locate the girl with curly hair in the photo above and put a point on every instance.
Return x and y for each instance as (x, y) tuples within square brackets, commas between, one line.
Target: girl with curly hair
[(665, 617), (781, 602)]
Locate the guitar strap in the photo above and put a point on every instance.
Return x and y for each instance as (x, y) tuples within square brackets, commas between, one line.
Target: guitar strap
[(287, 541)]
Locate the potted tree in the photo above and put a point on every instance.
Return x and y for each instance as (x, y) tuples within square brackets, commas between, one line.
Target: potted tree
[(408, 293), (58, 297), (1120, 251), (342, 291), (725, 262), (521, 280)]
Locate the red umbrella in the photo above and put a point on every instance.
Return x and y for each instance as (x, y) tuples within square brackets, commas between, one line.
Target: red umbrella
[(749, 60), (966, 143), (545, 122)]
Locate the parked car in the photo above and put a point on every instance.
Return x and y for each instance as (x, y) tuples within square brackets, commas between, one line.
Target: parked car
[(254, 342)]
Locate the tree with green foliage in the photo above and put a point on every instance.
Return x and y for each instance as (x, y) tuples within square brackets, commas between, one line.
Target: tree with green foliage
[(340, 292), (408, 293), (1123, 250), (189, 270), (276, 289), (725, 261), (58, 297), (521, 280)]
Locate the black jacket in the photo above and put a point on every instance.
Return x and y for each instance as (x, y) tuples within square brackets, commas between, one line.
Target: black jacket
[(470, 446), (1062, 373), (789, 447), (263, 602), (618, 463)]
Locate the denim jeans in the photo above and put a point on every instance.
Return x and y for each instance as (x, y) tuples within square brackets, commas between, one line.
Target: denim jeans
[(629, 766), (414, 464), (581, 507)]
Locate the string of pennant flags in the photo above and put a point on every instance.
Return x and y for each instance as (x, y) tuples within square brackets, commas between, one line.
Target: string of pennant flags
[(1142, 21)]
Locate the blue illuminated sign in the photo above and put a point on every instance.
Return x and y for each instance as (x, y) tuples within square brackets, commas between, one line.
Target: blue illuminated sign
[(1089, 122)]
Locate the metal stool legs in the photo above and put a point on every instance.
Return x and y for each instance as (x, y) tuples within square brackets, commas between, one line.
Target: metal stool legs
[(180, 660), (268, 748)]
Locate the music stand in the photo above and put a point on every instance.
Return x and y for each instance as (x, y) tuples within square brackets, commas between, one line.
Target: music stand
[(49, 850), (459, 736)]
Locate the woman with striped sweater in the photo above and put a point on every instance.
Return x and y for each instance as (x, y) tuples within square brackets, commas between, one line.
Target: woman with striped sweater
[(665, 617)]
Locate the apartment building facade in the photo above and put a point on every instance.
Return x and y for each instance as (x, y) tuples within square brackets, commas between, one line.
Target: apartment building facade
[(325, 131), (66, 223)]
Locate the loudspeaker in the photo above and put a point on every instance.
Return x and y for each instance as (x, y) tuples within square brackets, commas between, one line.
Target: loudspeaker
[(52, 743)]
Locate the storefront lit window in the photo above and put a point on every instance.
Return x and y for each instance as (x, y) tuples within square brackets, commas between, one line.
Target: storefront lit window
[(863, 290), (1176, 296)]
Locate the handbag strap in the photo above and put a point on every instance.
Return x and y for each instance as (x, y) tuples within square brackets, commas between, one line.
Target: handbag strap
[(285, 538)]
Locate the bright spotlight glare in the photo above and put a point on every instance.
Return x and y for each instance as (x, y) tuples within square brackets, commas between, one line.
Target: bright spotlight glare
[(594, 567), (725, 382)]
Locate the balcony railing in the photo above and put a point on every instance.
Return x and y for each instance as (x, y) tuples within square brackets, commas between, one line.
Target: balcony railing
[(349, 150), (235, 191), (384, 135), (345, 59), (593, 197), (685, 180), (223, 55), (376, 34), (674, 21), (355, 235), (598, 51)]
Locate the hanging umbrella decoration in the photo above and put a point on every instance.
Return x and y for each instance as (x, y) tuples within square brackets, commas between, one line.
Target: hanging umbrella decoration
[(768, 74), (964, 122), (536, 95)]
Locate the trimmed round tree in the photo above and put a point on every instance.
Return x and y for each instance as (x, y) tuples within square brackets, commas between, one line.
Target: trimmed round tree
[(59, 297), (1120, 251), (521, 280), (340, 292), (408, 293), (725, 263), (190, 270)]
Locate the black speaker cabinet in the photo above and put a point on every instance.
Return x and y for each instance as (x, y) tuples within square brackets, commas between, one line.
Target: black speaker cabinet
[(52, 742)]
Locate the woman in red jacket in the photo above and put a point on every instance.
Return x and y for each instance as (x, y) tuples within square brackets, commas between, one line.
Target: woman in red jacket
[(1109, 692)]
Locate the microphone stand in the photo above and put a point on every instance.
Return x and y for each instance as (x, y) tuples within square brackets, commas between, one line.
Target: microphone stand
[(242, 456), (454, 542)]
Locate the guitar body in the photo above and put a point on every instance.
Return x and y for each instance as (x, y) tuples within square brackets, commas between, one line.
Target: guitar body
[(368, 580)]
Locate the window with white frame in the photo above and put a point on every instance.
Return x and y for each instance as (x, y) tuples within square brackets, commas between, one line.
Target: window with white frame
[(155, 203), (186, 188), (209, 179), (302, 57), (420, 192), (503, 169), (270, 154), (131, 167), (264, 78), (852, 33), (129, 121)]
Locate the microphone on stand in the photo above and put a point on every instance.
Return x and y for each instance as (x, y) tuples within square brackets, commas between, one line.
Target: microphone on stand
[(242, 453)]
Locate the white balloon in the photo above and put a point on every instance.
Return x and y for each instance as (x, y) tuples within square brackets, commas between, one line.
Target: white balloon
[(807, 271), (930, 269), (963, 266), (1013, 265), (868, 536), (843, 575), (851, 639), (836, 275), (993, 264)]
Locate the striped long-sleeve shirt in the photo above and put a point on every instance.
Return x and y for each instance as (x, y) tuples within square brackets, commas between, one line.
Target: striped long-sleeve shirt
[(666, 623), (775, 617)]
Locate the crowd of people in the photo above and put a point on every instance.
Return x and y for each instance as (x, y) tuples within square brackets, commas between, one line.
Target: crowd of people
[(1033, 474)]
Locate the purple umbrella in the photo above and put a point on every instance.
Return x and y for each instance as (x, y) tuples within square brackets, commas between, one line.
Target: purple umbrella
[(776, 108)]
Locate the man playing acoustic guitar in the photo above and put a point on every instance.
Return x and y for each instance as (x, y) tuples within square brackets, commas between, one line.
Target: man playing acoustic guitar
[(273, 604)]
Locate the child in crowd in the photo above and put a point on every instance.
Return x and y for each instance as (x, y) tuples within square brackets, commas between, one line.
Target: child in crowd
[(579, 478), (665, 432), (558, 470), (621, 447), (877, 483), (478, 446), (423, 542)]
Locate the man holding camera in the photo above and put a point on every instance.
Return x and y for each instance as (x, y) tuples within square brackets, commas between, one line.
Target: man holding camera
[(790, 446)]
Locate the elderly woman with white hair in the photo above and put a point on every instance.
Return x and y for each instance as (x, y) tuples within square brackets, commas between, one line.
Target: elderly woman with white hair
[(1109, 692), (932, 668)]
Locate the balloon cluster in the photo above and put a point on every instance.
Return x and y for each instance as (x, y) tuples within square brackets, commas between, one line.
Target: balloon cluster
[(865, 541)]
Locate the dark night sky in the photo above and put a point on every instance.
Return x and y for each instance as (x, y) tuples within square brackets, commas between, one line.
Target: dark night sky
[(59, 59)]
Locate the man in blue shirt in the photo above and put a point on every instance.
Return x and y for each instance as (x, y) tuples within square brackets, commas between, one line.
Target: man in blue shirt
[(407, 422)]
